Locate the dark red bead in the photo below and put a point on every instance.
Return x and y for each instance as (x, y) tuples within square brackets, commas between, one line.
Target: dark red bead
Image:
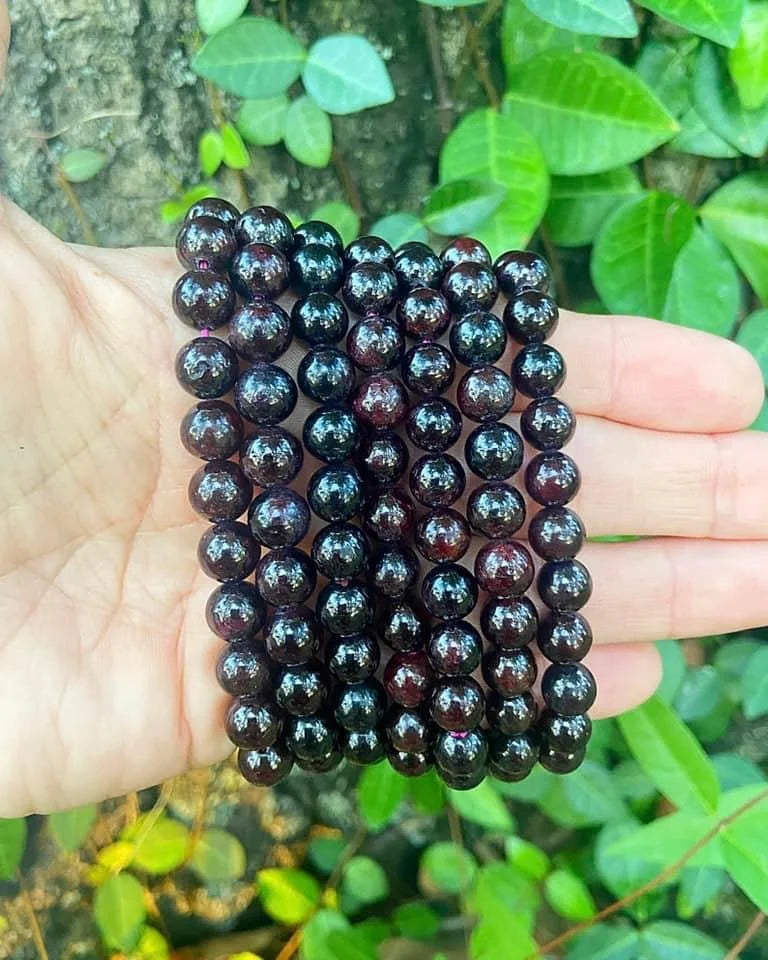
[(345, 609), (519, 270), (375, 344), (260, 331), (203, 300), (206, 367), (302, 689), (461, 758), (369, 250), (449, 592), (353, 659), (531, 317), (564, 585), (394, 570), (291, 635), (265, 394), (403, 627), (285, 577), (370, 288), (279, 517), (259, 270), (504, 568), (318, 232), (464, 250), (326, 375), (470, 286), (389, 515), (315, 268), (417, 265), (424, 314), (253, 722), (494, 451), (512, 758), (538, 370), (271, 456), (264, 224), (383, 458), (455, 649), (409, 764), (243, 670), (437, 480), (509, 622), (496, 510), (560, 761), (227, 551), (556, 533), (340, 552), (428, 369), (552, 479), (478, 339), (359, 706), (235, 611), (509, 672), (214, 207), (510, 715), (568, 688), (547, 423), (363, 747), (311, 738), (442, 536), (211, 430), (219, 490), (205, 243), (407, 678), (265, 768), (434, 425), (485, 394), (564, 637), (456, 703), (567, 734), (380, 402), (409, 730)]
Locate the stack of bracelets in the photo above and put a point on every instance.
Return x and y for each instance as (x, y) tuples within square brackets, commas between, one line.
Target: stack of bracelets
[(308, 678)]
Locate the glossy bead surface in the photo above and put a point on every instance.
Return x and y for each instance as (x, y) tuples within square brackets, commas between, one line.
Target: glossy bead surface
[(219, 490), (279, 517), (315, 269), (324, 764), (265, 394), (370, 288), (424, 314), (285, 577), (556, 533), (509, 672), (469, 287), (495, 510), (478, 339), (560, 761), (227, 551), (205, 243), (511, 758), (318, 231), (375, 344), (564, 585), (382, 458), (464, 250), (428, 369), (242, 670), (531, 318), (519, 270), (455, 649), (538, 370), (394, 570), (206, 367), (510, 715), (564, 637), (291, 635), (456, 703), (271, 456), (265, 224), (494, 451), (253, 723), (340, 552), (408, 730), (369, 249), (462, 754), (353, 659), (409, 764), (442, 536), (311, 738), (510, 622), (449, 592), (213, 207), (437, 480), (402, 627), (359, 706), (319, 319), (434, 425), (363, 747), (388, 515), (407, 678), (417, 265), (235, 611), (485, 394), (265, 768), (552, 479), (301, 690), (380, 402), (568, 688), (345, 609), (331, 434), (202, 299), (504, 568), (259, 270), (326, 375), (335, 492), (260, 330), (568, 734), (547, 423)]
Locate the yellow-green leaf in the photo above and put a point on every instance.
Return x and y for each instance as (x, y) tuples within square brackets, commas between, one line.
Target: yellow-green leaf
[(748, 61), (287, 895), (81, 165), (70, 827), (120, 912), (160, 845), (13, 839), (341, 216), (210, 152), (218, 857), (308, 133), (263, 121), (235, 154)]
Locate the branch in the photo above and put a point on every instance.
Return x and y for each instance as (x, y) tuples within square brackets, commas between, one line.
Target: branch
[(735, 952)]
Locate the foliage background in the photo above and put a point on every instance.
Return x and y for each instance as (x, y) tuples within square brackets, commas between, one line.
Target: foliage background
[(108, 133)]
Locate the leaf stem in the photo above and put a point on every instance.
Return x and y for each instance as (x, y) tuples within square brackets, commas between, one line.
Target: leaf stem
[(292, 945), (66, 187), (481, 61), (432, 35), (457, 838), (348, 185), (37, 933), (735, 952), (561, 281)]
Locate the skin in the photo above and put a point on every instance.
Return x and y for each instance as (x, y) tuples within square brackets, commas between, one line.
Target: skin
[(106, 665)]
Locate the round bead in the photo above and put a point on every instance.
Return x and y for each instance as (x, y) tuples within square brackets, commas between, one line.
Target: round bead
[(424, 314), (203, 300), (227, 551), (375, 344), (311, 738), (211, 430), (319, 318), (495, 510), (449, 592), (564, 637), (326, 375), (265, 768), (478, 339), (509, 672), (510, 715), (510, 622), (434, 425), (407, 678), (264, 224), (462, 754), (335, 492), (519, 270), (291, 635), (408, 730), (345, 609), (265, 394), (547, 423), (214, 207), (409, 764), (494, 451), (323, 765), (279, 517), (566, 734), (402, 627), (235, 611), (394, 571), (271, 456), (568, 688), (455, 649), (437, 480), (485, 394), (512, 758), (538, 370), (442, 536), (340, 552), (531, 318), (417, 265), (206, 367), (205, 243), (564, 585), (315, 269), (369, 250), (464, 250), (389, 515), (469, 287), (353, 659), (331, 434), (253, 723), (363, 747), (320, 232), (560, 761), (380, 402), (504, 568), (456, 703), (301, 690), (242, 670), (383, 458), (359, 706), (552, 479), (260, 330), (370, 288), (285, 577), (428, 369), (219, 490), (259, 270), (556, 533)]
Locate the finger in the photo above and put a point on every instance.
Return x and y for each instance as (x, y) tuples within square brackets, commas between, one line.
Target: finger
[(625, 676), (5, 39)]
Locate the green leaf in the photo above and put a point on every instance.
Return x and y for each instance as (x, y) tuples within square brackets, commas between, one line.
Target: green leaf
[(13, 840), (152, 945), (715, 98), (587, 111), (744, 842), (491, 146), (591, 792), (119, 911), (671, 756), (737, 214), (70, 827), (344, 73), (380, 791), (451, 3), (218, 857), (416, 921), (459, 206), (705, 289), (632, 782), (160, 844), (366, 880), (526, 857), (351, 944), (569, 896), (731, 658), (604, 942), (605, 18), (748, 61), (734, 771), (501, 889), (755, 685), (210, 152), (263, 121), (308, 134), (700, 693), (288, 895), (635, 252), (695, 137), (81, 165), (699, 886), (621, 871), (667, 940), (665, 68), (578, 206), (314, 936), (341, 216), (673, 665), (398, 228), (324, 852), (447, 867), (235, 155), (753, 336), (482, 805), (253, 57), (523, 35), (718, 20), (214, 15), (665, 840)]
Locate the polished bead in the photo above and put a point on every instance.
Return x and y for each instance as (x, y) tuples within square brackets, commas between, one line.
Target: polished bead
[(265, 394), (235, 611), (442, 536), (552, 479), (428, 369), (455, 648), (331, 434), (504, 568), (424, 314), (464, 250), (568, 688), (402, 627), (469, 287), (388, 515), (564, 585), (510, 715), (315, 269), (206, 367), (335, 492), (291, 635), (370, 288), (214, 207), (203, 300), (456, 703), (279, 517), (242, 670), (509, 622), (538, 370), (485, 394), (449, 592), (271, 456), (259, 270), (495, 510), (434, 425), (264, 224), (531, 318), (409, 764), (260, 330), (359, 706), (461, 754), (511, 758), (227, 551), (353, 659), (407, 678), (319, 319), (509, 672), (324, 764), (319, 232), (519, 270), (205, 243), (408, 730), (265, 768), (556, 533), (212, 430), (437, 480), (285, 577), (302, 689), (478, 339), (219, 490), (547, 423), (382, 458), (345, 609), (363, 747), (417, 265), (326, 375), (253, 722), (380, 402), (375, 344), (494, 451), (567, 734), (394, 570), (564, 637), (369, 250), (311, 738), (560, 761), (340, 552)]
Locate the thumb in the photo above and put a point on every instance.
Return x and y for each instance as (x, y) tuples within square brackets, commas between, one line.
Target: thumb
[(5, 37)]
